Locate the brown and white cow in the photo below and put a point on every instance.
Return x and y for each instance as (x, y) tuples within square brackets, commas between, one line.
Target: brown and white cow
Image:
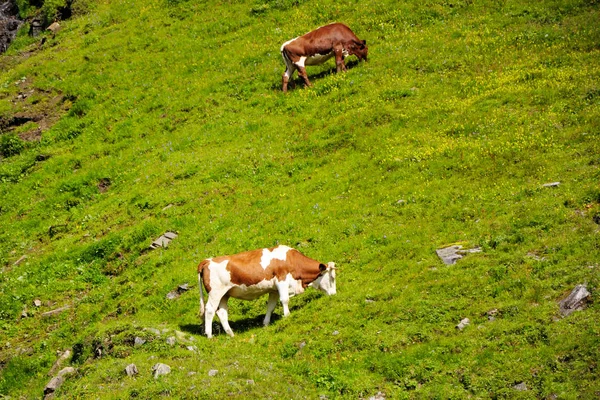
[(279, 271), (318, 46)]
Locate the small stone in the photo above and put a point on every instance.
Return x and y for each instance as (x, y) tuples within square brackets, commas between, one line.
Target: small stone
[(451, 254), (378, 396), (131, 370), (24, 313), (369, 301), (172, 295), (551, 184), (153, 330), (462, 324), (213, 372), (160, 369), (54, 312), (164, 240), (520, 387), (191, 373), (58, 380), (171, 340), (302, 344), (575, 301), (335, 333), (37, 303), (62, 357), (138, 341), (20, 260), (250, 382), (192, 348), (183, 288)]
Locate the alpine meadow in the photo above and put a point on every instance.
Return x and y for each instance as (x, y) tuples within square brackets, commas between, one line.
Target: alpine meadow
[(473, 123)]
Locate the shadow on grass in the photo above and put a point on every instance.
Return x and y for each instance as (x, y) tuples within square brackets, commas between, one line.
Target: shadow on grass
[(299, 82), (242, 325)]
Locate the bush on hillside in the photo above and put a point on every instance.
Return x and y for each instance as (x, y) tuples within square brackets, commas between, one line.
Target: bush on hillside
[(11, 145)]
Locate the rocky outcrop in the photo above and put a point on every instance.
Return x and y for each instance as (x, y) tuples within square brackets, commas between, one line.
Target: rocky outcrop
[(9, 23)]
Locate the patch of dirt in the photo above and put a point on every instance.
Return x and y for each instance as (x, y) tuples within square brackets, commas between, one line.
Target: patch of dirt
[(39, 108), (103, 184)]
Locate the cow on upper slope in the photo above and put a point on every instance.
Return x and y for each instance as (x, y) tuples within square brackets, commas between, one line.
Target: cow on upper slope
[(279, 271), (318, 46)]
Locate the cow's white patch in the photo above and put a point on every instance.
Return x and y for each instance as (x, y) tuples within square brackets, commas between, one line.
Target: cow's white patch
[(317, 59), (295, 285), (252, 292), (219, 276), (300, 62), (326, 281), (278, 253)]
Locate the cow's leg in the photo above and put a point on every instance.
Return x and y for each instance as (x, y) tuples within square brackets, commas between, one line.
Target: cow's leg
[(304, 75), (212, 305), (283, 288), (302, 71), (273, 297), (222, 314), (339, 58), (289, 71)]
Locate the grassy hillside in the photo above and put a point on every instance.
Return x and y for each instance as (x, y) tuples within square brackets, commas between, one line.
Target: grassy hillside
[(147, 116)]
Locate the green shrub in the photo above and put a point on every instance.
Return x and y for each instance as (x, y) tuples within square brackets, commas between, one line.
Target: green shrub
[(11, 145)]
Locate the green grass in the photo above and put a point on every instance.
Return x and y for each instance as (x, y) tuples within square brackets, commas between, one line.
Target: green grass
[(464, 110)]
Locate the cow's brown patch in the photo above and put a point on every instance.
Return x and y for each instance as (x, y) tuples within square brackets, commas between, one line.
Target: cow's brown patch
[(205, 274), (245, 269)]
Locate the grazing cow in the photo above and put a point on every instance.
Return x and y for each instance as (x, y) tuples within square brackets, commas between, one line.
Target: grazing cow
[(318, 46), (279, 271)]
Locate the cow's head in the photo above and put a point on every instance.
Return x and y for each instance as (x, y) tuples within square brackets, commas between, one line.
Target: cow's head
[(326, 281), (359, 49)]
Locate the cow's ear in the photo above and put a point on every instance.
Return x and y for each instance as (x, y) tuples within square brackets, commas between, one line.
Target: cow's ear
[(322, 268)]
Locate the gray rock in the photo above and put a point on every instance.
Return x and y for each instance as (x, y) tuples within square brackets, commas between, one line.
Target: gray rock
[(37, 303), (335, 333), (551, 184), (58, 380), (138, 341), (160, 369), (520, 387), (153, 330), (213, 372), (250, 382), (183, 288), (62, 357), (575, 301), (131, 370), (54, 312), (451, 254), (463, 323), (171, 340), (172, 295), (192, 348), (378, 396), (163, 241)]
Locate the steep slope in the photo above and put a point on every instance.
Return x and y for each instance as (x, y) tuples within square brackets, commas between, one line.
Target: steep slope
[(151, 116)]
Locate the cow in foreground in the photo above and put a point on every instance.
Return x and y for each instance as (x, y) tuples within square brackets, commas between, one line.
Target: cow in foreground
[(318, 46), (279, 271)]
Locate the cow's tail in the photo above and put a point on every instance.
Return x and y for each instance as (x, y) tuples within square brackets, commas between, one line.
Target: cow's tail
[(200, 280)]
